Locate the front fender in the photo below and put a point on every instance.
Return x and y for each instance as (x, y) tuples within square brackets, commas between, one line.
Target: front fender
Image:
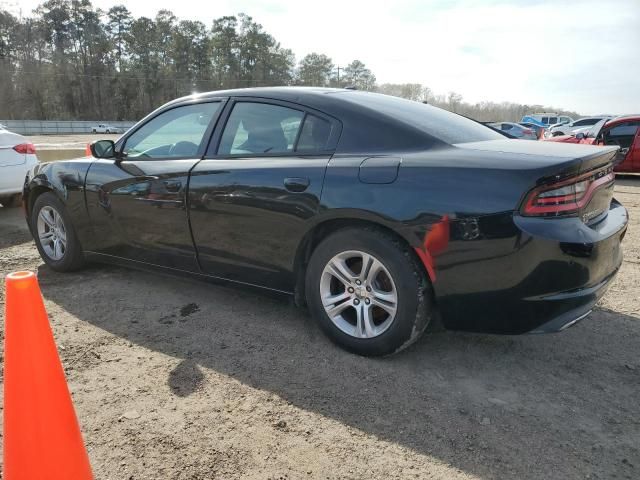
[(66, 179)]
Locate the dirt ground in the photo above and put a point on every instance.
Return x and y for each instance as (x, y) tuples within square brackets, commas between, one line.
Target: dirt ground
[(176, 379)]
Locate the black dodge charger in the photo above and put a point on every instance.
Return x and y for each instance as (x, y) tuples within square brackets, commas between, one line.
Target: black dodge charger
[(380, 214)]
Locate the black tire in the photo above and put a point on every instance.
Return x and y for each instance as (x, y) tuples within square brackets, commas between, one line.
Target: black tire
[(72, 259), (93, 131), (557, 134), (414, 293), (11, 201)]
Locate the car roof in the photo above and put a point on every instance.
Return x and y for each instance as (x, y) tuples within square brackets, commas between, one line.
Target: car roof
[(622, 118)]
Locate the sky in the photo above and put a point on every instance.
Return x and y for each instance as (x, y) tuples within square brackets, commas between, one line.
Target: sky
[(581, 55)]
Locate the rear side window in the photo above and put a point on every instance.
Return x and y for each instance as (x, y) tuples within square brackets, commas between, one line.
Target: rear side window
[(553, 120), (260, 128)]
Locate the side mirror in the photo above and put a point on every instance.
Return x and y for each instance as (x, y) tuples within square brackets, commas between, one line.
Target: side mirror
[(580, 135), (103, 149)]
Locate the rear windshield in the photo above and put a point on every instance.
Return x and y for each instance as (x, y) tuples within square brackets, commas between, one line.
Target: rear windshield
[(441, 124)]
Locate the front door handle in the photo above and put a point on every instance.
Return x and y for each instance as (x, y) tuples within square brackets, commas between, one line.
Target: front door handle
[(296, 184)]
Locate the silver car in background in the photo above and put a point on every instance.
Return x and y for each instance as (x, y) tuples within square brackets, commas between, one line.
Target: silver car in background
[(571, 127), (515, 130)]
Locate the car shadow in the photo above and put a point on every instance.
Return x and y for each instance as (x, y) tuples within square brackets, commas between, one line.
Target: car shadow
[(627, 180), (14, 227), (480, 403)]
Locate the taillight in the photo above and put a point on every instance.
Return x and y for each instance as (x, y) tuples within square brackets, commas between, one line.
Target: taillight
[(566, 196), (25, 148), (528, 131)]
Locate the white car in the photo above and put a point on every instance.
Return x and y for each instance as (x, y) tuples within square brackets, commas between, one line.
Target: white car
[(572, 127), (105, 128), (17, 157)]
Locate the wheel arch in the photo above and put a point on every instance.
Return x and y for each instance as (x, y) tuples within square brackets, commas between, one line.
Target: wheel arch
[(328, 226)]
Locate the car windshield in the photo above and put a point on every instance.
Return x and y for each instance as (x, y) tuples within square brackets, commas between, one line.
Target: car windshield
[(595, 130)]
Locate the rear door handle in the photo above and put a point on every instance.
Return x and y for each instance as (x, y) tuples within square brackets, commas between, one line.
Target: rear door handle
[(296, 184), (172, 186)]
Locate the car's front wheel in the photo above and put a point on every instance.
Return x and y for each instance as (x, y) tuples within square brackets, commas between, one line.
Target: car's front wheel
[(368, 292), (54, 234)]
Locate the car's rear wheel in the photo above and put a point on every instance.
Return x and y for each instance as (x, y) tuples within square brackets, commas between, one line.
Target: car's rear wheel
[(367, 291), (54, 234)]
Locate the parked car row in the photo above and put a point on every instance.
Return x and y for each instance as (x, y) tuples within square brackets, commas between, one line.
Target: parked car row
[(623, 132)]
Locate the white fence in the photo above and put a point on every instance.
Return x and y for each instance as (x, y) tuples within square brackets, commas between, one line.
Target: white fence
[(56, 127)]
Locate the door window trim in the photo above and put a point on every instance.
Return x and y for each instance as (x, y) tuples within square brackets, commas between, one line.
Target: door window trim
[(223, 119), (206, 137)]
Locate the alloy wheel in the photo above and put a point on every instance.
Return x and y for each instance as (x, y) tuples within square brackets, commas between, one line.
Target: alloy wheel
[(358, 294), (52, 233)]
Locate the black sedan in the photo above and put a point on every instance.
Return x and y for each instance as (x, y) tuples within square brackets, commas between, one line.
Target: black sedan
[(380, 214)]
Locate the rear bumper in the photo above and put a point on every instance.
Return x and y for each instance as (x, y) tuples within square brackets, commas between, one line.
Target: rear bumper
[(584, 299), (539, 275), (12, 177)]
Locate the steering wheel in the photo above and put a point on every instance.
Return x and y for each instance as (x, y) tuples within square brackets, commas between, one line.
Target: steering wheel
[(183, 148)]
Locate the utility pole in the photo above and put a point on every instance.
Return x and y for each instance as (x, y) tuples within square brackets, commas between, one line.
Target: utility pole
[(338, 68)]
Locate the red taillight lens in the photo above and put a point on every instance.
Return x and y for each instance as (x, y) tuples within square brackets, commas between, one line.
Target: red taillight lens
[(528, 131), (567, 196), (25, 148)]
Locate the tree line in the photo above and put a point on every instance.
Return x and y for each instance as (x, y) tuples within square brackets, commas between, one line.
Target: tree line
[(72, 61)]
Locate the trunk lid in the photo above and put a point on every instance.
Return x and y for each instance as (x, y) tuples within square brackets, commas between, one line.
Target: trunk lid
[(549, 163), (8, 156)]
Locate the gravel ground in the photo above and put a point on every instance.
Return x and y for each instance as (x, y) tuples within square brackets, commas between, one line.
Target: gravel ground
[(178, 379)]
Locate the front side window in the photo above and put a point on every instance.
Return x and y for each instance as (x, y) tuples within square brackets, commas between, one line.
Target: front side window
[(260, 128), (176, 133)]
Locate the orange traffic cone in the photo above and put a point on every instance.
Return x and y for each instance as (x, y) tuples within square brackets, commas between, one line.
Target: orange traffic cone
[(42, 439)]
